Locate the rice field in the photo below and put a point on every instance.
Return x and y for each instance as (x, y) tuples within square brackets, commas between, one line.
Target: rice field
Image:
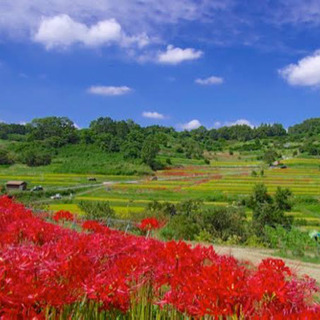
[(220, 183)]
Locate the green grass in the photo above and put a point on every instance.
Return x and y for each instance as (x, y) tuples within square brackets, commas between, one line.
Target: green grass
[(85, 159), (220, 183)]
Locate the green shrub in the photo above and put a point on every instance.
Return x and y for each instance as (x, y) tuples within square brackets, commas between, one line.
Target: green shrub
[(5, 158), (225, 222), (36, 158), (293, 242), (204, 236), (180, 227), (95, 210)]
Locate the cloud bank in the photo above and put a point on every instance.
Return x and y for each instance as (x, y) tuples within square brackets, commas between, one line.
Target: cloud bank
[(62, 31), (191, 125), (213, 80), (153, 115), (239, 122), (109, 90), (305, 72), (177, 55)]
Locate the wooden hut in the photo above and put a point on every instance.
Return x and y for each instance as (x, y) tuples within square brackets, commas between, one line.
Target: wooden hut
[(16, 185)]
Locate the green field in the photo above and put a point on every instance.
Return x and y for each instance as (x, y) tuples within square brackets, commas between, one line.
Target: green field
[(221, 183)]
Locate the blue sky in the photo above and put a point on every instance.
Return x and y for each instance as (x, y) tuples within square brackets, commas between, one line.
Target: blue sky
[(182, 63)]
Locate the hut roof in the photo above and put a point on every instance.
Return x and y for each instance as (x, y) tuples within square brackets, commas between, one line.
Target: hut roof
[(16, 183)]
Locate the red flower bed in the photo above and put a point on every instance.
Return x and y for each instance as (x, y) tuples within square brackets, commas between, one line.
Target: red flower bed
[(43, 264), (63, 215), (149, 224)]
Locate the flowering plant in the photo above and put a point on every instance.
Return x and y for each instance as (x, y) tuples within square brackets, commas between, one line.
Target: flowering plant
[(149, 224), (46, 268), (63, 215)]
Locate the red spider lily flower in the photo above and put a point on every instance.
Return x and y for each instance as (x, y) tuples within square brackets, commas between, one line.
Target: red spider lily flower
[(149, 224), (47, 265), (63, 216)]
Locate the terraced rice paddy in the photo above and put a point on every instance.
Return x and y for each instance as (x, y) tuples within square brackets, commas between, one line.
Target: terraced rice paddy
[(219, 183)]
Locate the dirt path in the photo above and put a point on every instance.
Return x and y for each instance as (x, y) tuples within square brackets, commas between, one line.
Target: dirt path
[(256, 255)]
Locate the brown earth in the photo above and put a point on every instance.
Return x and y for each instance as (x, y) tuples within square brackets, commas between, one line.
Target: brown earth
[(256, 255)]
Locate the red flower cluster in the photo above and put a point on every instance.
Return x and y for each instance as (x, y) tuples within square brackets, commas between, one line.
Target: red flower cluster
[(43, 264), (149, 224), (63, 215)]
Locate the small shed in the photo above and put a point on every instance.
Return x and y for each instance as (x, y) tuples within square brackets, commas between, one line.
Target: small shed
[(92, 179), (16, 185)]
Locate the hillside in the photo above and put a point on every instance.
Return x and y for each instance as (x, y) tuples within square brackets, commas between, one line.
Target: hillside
[(234, 185), (125, 148)]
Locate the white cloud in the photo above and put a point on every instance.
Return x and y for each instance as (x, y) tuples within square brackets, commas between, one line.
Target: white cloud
[(295, 12), (109, 90), (177, 55), (19, 17), (62, 31), (153, 115), (213, 80), (239, 122), (193, 124), (305, 73), (219, 124), (220, 19)]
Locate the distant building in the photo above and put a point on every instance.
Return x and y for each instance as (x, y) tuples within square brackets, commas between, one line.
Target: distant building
[(16, 185)]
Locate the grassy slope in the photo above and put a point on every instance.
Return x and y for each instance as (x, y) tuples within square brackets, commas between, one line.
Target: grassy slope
[(225, 180), (84, 159)]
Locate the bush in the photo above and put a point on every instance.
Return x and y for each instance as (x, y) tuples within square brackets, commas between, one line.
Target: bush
[(270, 156), (5, 159), (95, 210), (34, 158), (253, 173), (293, 242), (269, 210), (180, 227), (204, 236), (225, 222), (188, 220)]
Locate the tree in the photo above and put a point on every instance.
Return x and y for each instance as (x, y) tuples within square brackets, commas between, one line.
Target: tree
[(12, 131), (269, 215), (108, 142), (149, 151), (270, 211), (131, 147), (309, 127), (225, 222), (282, 199), (270, 156), (185, 220), (259, 196), (5, 158), (60, 130), (35, 158)]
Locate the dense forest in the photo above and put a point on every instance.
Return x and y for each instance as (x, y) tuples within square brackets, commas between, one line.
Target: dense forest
[(37, 143)]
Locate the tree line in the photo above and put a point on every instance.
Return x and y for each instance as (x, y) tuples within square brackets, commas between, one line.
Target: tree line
[(42, 137)]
